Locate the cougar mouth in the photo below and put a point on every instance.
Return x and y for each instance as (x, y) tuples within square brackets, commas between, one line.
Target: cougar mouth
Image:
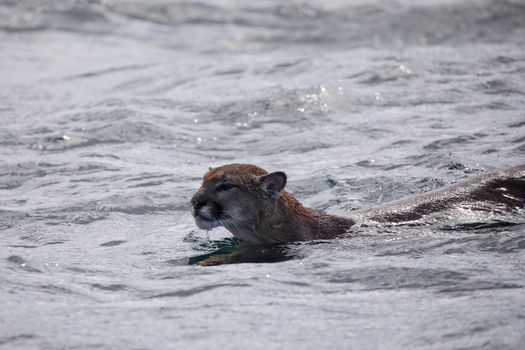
[(206, 224), (204, 218)]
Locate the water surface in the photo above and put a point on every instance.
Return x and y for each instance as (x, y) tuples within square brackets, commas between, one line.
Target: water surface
[(112, 110)]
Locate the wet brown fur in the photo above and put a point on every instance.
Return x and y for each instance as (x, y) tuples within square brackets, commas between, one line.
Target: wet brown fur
[(285, 219), (242, 172)]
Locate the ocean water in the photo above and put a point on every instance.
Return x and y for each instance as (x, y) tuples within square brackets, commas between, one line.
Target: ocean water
[(111, 111)]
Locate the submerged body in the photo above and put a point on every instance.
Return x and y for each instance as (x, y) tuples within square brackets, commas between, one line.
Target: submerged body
[(253, 205)]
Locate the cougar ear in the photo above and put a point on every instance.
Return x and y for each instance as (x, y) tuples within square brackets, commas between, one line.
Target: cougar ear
[(273, 183)]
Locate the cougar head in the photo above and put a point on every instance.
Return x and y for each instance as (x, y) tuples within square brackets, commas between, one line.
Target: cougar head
[(235, 195)]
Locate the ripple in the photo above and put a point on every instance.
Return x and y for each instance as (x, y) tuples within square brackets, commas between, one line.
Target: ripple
[(510, 243), (10, 218), (448, 142), (500, 87), (141, 203), (109, 287), (112, 243), (398, 278), (35, 246), (14, 338), (474, 286), (387, 74), (22, 264), (193, 291), (294, 105)]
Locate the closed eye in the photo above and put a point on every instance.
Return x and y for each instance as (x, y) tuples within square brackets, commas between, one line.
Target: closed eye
[(224, 187)]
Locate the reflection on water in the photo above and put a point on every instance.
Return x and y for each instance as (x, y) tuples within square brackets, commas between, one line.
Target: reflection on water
[(233, 251)]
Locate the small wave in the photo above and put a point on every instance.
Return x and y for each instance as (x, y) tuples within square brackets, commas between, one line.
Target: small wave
[(142, 203), (15, 338), (276, 25), (114, 133), (109, 287), (35, 246), (457, 140), (184, 293), (375, 278), (481, 285), (387, 74), (112, 243), (22, 264), (295, 105)]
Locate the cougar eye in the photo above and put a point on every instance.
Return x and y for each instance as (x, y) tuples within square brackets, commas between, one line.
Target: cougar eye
[(224, 187)]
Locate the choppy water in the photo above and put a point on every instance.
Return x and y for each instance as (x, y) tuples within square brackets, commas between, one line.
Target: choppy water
[(111, 111)]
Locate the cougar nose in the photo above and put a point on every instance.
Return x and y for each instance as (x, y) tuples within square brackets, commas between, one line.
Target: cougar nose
[(197, 202)]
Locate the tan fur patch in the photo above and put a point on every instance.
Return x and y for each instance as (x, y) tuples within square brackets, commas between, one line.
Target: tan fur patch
[(240, 172)]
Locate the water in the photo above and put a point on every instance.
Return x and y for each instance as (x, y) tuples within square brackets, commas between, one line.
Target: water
[(112, 110)]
